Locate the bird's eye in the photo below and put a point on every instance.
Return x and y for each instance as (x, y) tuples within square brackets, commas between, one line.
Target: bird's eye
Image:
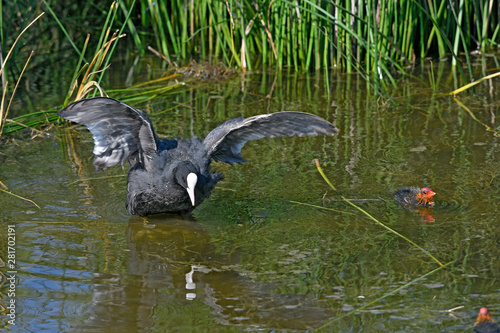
[(424, 191)]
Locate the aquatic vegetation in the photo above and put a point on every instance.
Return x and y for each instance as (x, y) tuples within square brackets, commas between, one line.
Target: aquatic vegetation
[(378, 40), (316, 35), (372, 38), (4, 109)]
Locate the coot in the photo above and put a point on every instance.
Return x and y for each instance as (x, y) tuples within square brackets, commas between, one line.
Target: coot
[(484, 323), (415, 196), (174, 176)]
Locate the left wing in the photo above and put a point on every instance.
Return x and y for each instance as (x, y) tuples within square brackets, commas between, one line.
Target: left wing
[(224, 143)]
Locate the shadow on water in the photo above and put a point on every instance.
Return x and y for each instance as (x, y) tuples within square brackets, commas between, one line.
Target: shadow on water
[(254, 256)]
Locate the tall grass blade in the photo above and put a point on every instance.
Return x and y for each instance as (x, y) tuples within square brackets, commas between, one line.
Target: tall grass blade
[(20, 197), (17, 84), (61, 26), (473, 116), (15, 42), (4, 111), (131, 26), (108, 23), (78, 71), (438, 28), (472, 84)]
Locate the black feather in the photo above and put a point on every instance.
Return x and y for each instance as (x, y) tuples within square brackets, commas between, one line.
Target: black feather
[(159, 168)]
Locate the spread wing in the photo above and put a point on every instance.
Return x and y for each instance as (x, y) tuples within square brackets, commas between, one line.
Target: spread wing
[(120, 132), (224, 143)]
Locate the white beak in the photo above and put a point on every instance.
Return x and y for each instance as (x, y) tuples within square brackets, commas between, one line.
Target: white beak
[(191, 180)]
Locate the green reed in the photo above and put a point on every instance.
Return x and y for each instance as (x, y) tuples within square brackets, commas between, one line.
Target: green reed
[(377, 40), (394, 29), (86, 78), (93, 72), (373, 38), (6, 92)]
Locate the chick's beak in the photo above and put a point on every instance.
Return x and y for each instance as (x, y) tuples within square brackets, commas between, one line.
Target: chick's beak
[(191, 180)]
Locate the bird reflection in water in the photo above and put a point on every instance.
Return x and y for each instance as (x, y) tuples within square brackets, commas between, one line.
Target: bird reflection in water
[(172, 269), (426, 215)]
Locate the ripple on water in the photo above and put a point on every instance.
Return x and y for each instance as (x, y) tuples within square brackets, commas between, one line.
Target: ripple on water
[(55, 274), (49, 294)]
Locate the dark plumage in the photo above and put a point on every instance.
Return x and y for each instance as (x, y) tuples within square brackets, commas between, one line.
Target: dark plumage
[(484, 323), (173, 176), (415, 196)]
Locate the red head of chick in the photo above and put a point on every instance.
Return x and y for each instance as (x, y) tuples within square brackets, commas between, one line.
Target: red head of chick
[(484, 323), (415, 196)]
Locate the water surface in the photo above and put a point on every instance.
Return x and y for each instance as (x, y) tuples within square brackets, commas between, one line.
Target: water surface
[(253, 256)]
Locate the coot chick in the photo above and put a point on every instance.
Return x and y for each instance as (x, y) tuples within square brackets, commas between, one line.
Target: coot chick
[(174, 176), (484, 323), (415, 196)]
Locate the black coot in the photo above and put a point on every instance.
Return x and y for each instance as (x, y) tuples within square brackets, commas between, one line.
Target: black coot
[(173, 176)]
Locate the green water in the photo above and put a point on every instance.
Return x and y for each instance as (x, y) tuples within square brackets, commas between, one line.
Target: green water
[(253, 256)]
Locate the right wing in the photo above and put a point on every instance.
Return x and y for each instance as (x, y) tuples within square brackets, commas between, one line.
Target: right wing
[(120, 132)]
